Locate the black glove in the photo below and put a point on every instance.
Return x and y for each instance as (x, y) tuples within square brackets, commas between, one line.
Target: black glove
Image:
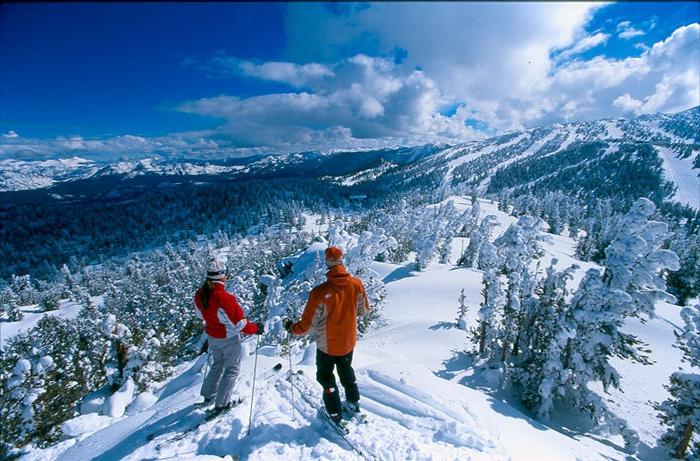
[(287, 324), (261, 328)]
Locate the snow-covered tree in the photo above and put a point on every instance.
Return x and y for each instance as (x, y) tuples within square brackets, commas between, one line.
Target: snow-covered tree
[(541, 354), (518, 247), (684, 283), (681, 412), (590, 329), (588, 335), (9, 306), (425, 241), (477, 237), (462, 311), (635, 260), (504, 199), (24, 289), (490, 311)]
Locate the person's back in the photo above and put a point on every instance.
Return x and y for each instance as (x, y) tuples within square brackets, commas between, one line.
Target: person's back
[(332, 311), (339, 300), (224, 321)]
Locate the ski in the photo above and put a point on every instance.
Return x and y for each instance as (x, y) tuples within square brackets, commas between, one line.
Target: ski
[(360, 417), (210, 413), (340, 429), (271, 372), (340, 426)]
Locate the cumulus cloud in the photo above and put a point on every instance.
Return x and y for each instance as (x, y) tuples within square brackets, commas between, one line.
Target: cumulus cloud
[(509, 64), (360, 98), (10, 134), (515, 76), (476, 53)]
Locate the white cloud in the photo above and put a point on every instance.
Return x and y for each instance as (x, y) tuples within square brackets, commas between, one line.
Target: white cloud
[(10, 134), (359, 98), (672, 81), (509, 64), (587, 43), (626, 31), (286, 72), (475, 52), (220, 65), (627, 103), (366, 97)]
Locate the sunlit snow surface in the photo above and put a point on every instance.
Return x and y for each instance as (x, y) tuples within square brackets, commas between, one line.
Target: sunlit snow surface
[(422, 400), (680, 172)]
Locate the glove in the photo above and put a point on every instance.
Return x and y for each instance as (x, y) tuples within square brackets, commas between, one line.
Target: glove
[(261, 328), (287, 324)]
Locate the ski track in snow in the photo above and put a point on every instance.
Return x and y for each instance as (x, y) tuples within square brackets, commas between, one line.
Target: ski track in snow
[(416, 386)]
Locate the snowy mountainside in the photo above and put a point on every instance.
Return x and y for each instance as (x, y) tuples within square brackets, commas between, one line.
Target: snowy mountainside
[(421, 396), (652, 155)]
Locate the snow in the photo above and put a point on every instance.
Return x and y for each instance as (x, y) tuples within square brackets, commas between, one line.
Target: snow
[(681, 172), (85, 423), (116, 404), (469, 152), (27, 175), (613, 129), (422, 399), (534, 148), (32, 315)]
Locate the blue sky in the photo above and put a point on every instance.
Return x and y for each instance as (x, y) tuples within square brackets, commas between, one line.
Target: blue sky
[(176, 76)]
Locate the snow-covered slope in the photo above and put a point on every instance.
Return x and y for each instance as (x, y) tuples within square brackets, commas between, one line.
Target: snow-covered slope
[(417, 388)]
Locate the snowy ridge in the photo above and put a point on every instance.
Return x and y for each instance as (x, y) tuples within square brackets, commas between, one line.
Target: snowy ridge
[(367, 175)]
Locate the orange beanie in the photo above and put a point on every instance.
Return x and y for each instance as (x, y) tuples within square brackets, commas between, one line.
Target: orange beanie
[(334, 256)]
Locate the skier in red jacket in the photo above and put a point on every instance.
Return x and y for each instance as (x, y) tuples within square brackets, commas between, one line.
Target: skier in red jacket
[(224, 320)]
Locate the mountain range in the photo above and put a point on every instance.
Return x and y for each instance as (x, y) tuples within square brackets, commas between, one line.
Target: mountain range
[(659, 154)]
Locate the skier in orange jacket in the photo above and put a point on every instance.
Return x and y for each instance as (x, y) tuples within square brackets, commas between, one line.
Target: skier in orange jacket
[(332, 311)]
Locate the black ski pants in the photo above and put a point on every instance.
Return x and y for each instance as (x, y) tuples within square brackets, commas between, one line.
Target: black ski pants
[(324, 375)]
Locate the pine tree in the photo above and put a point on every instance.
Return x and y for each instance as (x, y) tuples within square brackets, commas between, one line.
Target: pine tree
[(681, 412), (462, 313), (590, 330), (477, 237), (518, 247), (489, 323), (9, 306), (685, 282)]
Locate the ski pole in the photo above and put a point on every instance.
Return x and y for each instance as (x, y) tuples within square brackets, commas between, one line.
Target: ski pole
[(291, 373), (206, 365), (255, 368)]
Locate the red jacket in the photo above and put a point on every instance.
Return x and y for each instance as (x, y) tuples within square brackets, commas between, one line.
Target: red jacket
[(223, 316), (332, 311)]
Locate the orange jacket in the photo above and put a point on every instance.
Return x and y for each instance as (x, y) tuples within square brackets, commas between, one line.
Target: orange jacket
[(332, 311)]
